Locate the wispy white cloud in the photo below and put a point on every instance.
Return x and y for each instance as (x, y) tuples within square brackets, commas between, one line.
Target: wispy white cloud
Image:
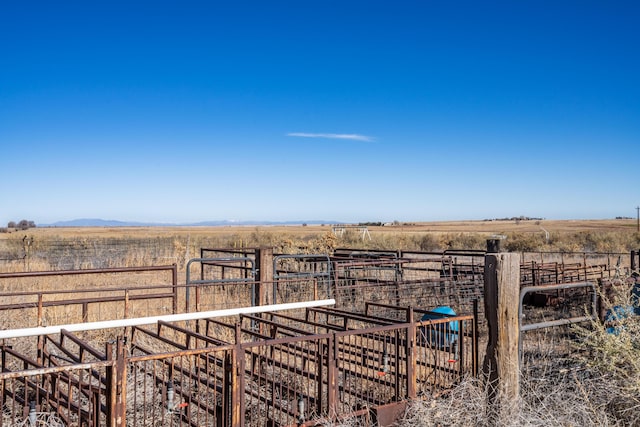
[(350, 136)]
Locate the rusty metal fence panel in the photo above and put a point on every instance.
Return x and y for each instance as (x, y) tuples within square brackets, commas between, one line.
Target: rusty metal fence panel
[(315, 270), (278, 373), (64, 395), (422, 294), (451, 264), (286, 380), (371, 367), (447, 351), (155, 293), (222, 283), (188, 388)]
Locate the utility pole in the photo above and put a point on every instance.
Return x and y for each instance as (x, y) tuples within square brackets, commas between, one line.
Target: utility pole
[(638, 219)]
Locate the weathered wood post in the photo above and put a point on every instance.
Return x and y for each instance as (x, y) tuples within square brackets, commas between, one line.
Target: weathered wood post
[(264, 279), (501, 301), (264, 265)]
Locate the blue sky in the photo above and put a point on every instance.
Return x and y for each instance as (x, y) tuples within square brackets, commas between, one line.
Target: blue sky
[(333, 110)]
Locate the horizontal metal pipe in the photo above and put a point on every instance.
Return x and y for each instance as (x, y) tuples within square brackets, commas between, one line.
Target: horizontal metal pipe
[(559, 322), (57, 303), (87, 271), (54, 370), (120, 323)]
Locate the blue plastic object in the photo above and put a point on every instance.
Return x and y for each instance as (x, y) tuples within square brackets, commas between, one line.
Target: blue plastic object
[(614, 315), (442, 335), (635, 298), (620, 312)]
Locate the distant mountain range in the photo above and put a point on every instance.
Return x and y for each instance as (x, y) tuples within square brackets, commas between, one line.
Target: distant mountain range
[(96, 222)]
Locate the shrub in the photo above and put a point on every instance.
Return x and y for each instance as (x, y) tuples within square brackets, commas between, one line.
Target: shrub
[(427, 243), (613, 351), (524, 242), (463, 241)]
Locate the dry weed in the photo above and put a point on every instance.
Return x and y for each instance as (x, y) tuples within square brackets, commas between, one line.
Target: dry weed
[(543, 402), (596, 383), (612, 352)]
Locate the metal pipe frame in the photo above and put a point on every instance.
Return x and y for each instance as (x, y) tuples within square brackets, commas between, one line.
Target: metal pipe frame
[(231, 262), (558, 322), (292, 375)]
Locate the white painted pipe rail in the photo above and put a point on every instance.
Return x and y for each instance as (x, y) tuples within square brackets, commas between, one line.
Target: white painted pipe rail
[(121, 323)]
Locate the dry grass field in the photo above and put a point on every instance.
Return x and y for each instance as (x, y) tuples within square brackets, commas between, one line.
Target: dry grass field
[(544, 394), (304, 231), (55, 248), (472, 226)]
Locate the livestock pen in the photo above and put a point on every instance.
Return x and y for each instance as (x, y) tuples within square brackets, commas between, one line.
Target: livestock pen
[(362, 357)]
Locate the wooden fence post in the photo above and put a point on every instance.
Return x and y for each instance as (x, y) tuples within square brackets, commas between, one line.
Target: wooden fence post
[(264, 265), (501, 361)]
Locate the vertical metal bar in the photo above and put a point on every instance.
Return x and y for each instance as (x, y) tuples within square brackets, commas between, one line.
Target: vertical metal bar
[(135, 396), (462, 327), (95, 409), (121, 384), (241, 362), (174, 284), (474, 347), (110, 383), (533, 273), (126, 303), (411, 354), (39, 309), (398, 363), (40, 355), (2, 396), (187, 288), (332, 371), (237, 372), (319, 375)]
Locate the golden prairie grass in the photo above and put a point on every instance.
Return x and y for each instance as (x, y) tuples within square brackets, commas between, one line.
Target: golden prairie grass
[(246, 234), (44, 249), (100, 247)]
